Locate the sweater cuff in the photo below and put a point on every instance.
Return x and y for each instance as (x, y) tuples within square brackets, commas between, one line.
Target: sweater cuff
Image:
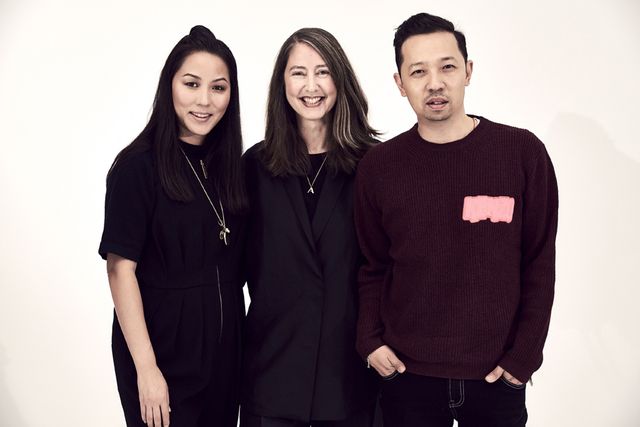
[(519, 370), (368, 346)]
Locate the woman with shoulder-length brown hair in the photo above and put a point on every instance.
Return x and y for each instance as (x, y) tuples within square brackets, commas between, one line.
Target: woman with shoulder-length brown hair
[(300, 363)]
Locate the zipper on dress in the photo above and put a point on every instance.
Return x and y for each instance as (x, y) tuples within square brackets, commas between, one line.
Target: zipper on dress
[(220, 298)]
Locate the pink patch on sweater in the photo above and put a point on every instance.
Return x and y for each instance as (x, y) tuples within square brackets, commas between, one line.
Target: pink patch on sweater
[(495, 209)]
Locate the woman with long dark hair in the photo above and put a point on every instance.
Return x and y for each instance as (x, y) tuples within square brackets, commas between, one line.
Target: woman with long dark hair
[(300, 363), (172, 240)]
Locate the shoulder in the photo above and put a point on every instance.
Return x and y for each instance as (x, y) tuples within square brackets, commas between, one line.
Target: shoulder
[(134, 167), (515, 136), (386, 153)]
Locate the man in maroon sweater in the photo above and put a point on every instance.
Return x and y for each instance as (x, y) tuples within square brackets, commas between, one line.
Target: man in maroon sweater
[(457, 220)]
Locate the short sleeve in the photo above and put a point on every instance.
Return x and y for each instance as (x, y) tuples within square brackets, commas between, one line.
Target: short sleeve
[(129, 205)]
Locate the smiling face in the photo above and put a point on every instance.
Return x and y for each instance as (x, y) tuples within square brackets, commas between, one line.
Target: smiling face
[(433, 76), (309, 88), (201, 92)]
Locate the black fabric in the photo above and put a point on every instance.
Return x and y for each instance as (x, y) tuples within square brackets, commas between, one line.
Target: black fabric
[(364, 418), (311, 198), (189, 283), (300, 361)]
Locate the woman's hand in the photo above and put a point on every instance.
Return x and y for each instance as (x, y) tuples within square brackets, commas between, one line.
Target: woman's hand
[(154, 397)]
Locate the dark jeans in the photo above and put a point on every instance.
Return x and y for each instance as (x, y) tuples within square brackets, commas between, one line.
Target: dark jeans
[(410, 400), (361, 419)]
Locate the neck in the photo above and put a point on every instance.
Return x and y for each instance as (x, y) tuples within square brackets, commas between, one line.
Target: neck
[(314, 135), (444, 131)]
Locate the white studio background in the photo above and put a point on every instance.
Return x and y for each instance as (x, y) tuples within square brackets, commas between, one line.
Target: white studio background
[(76, 85)]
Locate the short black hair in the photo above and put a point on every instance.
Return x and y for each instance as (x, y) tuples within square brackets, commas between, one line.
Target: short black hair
[(424, 23)]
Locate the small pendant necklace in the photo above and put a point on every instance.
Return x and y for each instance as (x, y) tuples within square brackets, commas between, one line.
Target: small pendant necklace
[(224, 230), (310, 190)]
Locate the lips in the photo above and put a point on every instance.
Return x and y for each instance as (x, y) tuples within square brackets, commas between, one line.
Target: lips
[(437, 103), (203, 117), (311, 101)]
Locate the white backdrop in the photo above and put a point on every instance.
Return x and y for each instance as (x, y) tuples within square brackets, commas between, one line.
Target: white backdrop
[(76, 85)]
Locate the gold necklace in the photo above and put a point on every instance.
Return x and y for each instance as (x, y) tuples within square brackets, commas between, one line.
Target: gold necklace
[(224, 230), (310, 190)]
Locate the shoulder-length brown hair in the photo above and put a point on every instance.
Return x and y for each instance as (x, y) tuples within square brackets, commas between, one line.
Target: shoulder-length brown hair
[(350, 135)]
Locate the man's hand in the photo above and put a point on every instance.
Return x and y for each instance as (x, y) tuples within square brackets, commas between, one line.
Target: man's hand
[(500, 372), (384, 360)]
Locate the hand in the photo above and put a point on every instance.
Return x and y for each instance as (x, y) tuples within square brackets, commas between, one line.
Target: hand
[(500, 372), (384, 360), (153, 393)]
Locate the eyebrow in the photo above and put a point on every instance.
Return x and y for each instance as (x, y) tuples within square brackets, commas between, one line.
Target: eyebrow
[(446, 58), (300, 67), (198, 77)]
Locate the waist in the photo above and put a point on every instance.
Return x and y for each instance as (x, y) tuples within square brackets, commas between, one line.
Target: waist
[(213, 276)]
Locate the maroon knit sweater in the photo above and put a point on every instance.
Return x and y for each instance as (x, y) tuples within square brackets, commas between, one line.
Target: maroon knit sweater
[(457, 279)]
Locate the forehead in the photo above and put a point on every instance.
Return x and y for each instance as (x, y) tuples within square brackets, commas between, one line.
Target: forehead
[(304, 55), (204, 65), (430, 47)]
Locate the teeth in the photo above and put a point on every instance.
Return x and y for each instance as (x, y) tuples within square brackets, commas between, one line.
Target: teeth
[(201, 115), (311, 100)]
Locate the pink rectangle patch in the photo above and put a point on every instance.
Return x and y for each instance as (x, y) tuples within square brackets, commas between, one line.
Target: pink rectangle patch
[(495, 209)]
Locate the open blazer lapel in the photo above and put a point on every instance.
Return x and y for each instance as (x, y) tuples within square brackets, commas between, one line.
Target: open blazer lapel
[(329, 195), (292, 187)]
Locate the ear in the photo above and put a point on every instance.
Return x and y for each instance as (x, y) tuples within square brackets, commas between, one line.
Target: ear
[(398, 79), (469, 70)]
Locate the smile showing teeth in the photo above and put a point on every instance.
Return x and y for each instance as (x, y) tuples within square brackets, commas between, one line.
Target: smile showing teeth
[(201, 116), (311, 101)]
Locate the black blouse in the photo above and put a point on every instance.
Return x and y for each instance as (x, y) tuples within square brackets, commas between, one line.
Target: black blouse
[(175, 244)]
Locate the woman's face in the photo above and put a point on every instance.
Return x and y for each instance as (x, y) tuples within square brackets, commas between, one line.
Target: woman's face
[(201, 91), (308, 84)]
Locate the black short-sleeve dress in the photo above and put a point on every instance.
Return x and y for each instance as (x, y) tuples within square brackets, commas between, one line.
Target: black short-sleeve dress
[(190, 285)]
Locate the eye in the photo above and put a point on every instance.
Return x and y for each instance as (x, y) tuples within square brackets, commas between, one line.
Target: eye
[(219, 88), (298, 73), (191, 84), (324, 72), (417, 72), (449, 67)]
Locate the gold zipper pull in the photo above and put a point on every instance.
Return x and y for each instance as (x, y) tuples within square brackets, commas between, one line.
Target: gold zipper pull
[(204, 170)]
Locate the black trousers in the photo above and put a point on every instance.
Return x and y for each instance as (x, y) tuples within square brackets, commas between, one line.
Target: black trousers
[(360, 419), (410, 400)]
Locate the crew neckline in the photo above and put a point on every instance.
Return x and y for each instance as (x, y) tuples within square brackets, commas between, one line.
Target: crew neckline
[(471, 139)]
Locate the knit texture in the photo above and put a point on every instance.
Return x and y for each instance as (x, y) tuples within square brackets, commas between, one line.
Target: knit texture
[(455, 297)]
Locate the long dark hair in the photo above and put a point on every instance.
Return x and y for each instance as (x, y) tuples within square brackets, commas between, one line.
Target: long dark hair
[(284, 153), (224, 142)]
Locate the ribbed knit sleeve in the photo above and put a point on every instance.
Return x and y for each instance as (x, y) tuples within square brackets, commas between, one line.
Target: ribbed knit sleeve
[(539, 226), (374, 244)]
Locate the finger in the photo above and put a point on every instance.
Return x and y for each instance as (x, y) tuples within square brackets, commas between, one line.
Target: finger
[(396, 363), (165, 415), (494, 375), (143, 413), (157, 416)]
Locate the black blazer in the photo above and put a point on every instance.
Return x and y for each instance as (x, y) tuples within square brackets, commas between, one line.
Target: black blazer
[(299, 355)]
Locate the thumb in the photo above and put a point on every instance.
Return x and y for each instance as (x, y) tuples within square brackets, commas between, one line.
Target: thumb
[(397, 363), (494, 375)]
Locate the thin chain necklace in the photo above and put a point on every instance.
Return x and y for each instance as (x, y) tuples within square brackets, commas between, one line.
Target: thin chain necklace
[(310, 190), (224, 230)]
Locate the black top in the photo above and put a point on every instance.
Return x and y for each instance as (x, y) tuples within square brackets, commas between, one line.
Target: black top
[(175, 244), (311, 197)]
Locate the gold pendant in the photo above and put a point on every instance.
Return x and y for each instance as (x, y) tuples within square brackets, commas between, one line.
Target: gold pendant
[(223, 234)]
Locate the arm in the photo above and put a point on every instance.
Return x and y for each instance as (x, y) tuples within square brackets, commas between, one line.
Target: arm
[(537, 269), (374, 244), (152, 387)]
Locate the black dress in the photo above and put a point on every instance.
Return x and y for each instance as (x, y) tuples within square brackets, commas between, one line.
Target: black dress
[(190, 287), (299, 355)]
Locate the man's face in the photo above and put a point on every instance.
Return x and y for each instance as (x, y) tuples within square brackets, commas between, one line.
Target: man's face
[(433, 76)]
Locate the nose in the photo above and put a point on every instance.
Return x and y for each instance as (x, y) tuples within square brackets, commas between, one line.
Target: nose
[(312, 85), (435, 82), (203, 96)]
